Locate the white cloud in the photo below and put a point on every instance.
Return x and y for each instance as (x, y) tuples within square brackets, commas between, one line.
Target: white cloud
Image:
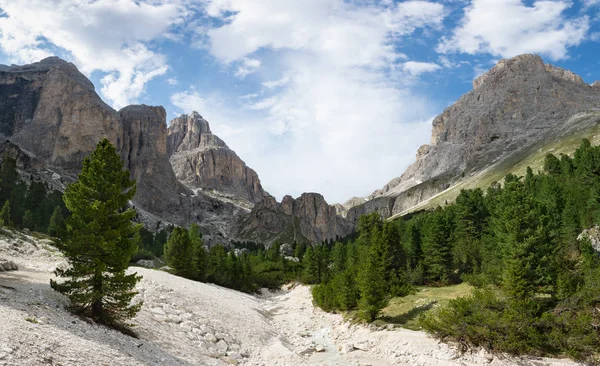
[(338, 121), (172, 81), (508, 28), (272, 84), (415, 68), (247, 67), (110, 36)]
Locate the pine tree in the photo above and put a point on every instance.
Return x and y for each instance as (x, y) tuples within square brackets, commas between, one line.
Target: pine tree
[(8, 177), (311, 267), (179, 253), (56, 226), (437, 255), (372, 288), (199, 255), (99, 241), (28, 220), (5, 214)]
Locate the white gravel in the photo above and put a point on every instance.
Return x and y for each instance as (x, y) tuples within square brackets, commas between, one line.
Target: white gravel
[(189, 323)]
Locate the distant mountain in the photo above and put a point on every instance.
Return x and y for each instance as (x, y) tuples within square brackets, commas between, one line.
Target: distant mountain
[(51, 118), (516, 112), (308, 218), (201, 160)]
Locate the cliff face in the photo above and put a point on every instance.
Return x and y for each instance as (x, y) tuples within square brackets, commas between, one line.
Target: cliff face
[(51, 110), (51, 119), (307, 218), (518, 103), (201, 160)]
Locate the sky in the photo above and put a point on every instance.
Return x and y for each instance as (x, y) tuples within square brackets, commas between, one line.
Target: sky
[(328, 96)]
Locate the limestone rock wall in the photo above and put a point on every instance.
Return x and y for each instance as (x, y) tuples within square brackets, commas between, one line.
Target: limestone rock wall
[(202, 160)]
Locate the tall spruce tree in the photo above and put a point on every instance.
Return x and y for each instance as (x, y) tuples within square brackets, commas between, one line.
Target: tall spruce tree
[(99, 240), (199, 254), (57, 223), (179, 253), (372, 287)]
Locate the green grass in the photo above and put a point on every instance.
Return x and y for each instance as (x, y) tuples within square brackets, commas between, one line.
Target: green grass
[(405, 311)]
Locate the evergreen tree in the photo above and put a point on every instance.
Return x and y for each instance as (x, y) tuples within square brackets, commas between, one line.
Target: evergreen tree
[(179, 253), (311, 267), (99, 240), (372, 288), (199, 255), (5, 219), (8, 177), (28, 220), (437, 255)]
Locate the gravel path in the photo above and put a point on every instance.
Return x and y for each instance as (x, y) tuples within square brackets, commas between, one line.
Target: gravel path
[(189, 323)]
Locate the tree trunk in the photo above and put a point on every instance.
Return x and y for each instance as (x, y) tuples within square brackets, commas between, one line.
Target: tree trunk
[(97, 308)]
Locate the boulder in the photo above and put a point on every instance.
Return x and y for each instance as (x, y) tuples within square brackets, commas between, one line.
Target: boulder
[(9, 266)]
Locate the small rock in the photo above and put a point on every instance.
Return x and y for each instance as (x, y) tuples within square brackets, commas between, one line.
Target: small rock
[(175, 319), (221, 346), (319, 348), (307, 351), (347, 348), (363, 346), (234, 355), (210, 338), (229, 360), (160, 318), (157, 310), (3, 355), (9, 266)]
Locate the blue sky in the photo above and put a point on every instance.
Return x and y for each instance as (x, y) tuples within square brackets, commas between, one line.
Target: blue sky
[(327, 96)]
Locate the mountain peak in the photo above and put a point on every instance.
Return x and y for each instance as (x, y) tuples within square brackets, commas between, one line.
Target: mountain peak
[(191, 131), (527, 64)]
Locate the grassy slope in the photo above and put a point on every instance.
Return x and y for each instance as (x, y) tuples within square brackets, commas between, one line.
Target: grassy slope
[(533, 157), (405, 311)]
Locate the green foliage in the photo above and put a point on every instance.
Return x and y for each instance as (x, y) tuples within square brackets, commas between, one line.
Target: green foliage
[(179, 253), (28, 221), (5, 219), (56, 226), (372, 288), (99, 240), (199, 254)]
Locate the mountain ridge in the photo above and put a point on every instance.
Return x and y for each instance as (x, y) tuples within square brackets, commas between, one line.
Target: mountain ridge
[(516, 104)]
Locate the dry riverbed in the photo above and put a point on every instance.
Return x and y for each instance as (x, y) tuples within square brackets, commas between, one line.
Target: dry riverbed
[(189, 323)]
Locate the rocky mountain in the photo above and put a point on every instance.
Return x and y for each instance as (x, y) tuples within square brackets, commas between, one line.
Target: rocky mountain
[(201, 160), (51, 118), (514, 109), (308, 218)]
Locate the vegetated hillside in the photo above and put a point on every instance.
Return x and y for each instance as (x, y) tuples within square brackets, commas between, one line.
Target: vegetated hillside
[(530, 246), (517, 108)]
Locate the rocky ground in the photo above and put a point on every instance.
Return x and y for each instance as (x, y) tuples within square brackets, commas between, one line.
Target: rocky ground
[(188, 323)]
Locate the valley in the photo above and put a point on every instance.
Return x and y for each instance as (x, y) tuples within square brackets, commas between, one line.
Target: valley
[(189, 323)]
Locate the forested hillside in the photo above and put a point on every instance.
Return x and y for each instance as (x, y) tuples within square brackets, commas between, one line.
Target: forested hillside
[(517, 243)]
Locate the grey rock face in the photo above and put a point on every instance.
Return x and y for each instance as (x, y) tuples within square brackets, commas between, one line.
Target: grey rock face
[(517, 104), (307, 218), (202, 160), (52, 119)]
